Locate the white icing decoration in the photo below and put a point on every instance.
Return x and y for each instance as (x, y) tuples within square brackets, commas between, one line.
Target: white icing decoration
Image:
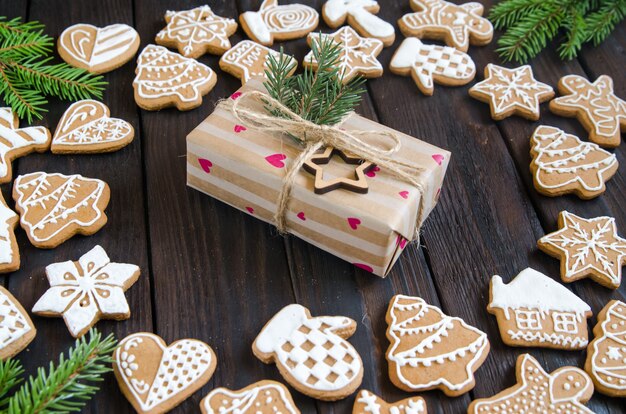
[(611, 375), (109, 42), (87, 291), (337, 10), (292, 328), (13, 138), (6, 233), (372, 406), (557, 339), (245, 55), (13, 324), (242, 401), (288, 21)]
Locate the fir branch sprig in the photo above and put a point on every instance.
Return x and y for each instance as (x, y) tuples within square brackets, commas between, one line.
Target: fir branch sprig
[(11, 371)]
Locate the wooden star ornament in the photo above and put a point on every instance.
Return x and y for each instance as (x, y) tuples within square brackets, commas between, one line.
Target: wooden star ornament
[(314, 165)]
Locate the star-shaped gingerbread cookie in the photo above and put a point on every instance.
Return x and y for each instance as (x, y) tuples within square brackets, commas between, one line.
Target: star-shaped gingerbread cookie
[(587, 248), (511, 92), (314, 165), (595, 105), (357, 57)]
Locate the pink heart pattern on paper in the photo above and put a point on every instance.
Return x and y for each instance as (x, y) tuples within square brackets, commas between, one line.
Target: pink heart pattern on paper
[(276, 160), (401, 241), (372, 173), (250, 210), (354, 222), (301, 216), (438, 158), (240, 128), (364, 267), (235, 95), (205, 164), (404, 194)]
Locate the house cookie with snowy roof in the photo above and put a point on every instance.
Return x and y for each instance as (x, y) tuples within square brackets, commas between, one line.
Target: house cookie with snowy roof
[(534, 310)]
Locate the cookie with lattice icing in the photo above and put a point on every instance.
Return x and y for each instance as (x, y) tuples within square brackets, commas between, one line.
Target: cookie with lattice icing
[(247, 60), (361, 15), (9, 250), (16, 328), (263, 397), (311, 353), (367, 402)]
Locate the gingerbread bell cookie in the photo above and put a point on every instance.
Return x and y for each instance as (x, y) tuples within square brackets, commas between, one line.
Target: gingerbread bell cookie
[(369, 403), (564, 164), (165, 78), (432, 63), (55, 207), (311, 353), (361, 15), (263, 397), (562, 391), (16, 328), (429, 349), (606, 354), (247, 60), (511, 92), (9, 250), (98, 49), (595, 105), (155, 377)]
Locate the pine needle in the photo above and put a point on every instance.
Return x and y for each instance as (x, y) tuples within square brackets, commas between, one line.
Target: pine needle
[(11, 371)]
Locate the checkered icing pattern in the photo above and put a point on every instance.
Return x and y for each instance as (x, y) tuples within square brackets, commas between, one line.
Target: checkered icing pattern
[(445, 61)]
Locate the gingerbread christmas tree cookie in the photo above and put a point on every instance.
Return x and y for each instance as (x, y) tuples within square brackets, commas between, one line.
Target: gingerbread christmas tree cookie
[(16, 328), (247, 60), (369, 403), (429, 349), (595, 105), (587, 248), (263, 397), (361, 15), (9, 250)]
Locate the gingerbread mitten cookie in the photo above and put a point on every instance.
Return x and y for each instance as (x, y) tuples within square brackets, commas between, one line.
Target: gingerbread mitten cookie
[(16, 328), (9, 250), (369, 403), (361, 15), (247, 60), (263, 397), (311, 353), (429, 349)]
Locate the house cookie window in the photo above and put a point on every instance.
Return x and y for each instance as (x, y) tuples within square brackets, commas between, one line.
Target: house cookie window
[(527, 319), (564, 322)]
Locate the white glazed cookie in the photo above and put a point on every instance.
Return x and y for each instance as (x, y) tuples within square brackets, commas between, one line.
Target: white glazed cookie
[(562, 391), (457, 25), (196, 32), (166, 79), (9, 250), (311, 352), (361, 15), (263, 397), (273, 22), (96, 49), (55, 207), (86, 291), (86, 127), (429, 349), (534, 310), (247, 60), (369, 403), (357, 57), (432, 63), (16, 328), (155, 377), (16, 142), (562, 164)]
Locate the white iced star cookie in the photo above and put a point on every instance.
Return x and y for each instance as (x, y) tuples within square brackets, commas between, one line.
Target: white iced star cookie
[(361, 15), (86, 291), (511, 92)]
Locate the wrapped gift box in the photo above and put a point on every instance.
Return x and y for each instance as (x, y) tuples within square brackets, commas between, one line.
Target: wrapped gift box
[(244, 167)]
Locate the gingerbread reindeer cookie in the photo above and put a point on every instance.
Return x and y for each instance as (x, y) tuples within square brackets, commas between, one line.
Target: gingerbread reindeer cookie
[(361, 15), (263, 397), (9, 250), (369, 403), (247, 60)]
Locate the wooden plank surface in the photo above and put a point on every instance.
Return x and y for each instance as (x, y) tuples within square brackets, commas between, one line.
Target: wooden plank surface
[(216, 274)]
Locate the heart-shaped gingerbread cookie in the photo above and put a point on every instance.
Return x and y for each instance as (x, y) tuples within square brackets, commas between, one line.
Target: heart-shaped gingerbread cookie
[(155, 377), (87, 128)]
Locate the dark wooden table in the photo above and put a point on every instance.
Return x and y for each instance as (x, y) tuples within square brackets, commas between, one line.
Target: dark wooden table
[(213, 273)]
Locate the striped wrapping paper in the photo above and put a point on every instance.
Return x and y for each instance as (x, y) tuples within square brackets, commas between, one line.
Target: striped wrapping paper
[(244, 168)]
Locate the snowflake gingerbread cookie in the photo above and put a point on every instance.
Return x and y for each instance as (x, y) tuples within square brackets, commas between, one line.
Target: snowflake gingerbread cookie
[(357, 57), (369, 403), (564, 164), (9, 250), (311, 353), (361, 15), (511, 92), (606, 354), (562, 391), (587, 248), (16, 328), (263, 397), (196, 32), (247, 60), (595, 105), (429, 349)]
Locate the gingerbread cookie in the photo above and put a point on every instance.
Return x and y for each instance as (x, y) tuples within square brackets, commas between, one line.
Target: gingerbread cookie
[(457, 25), (86, 291), (9, 250), (563, 391), (534, 310), (606, 354), (429, 349), (16, 328), (595, 105), (563, 164), (263, 397), (155, 377), (587, 248), (273, 22), (16, 142), (368, 403), (196, 32), (357, 56), (247, 60), (311, 353), (511, 92), (55, 207), (432, 63), (98, 50), (361, 15), (87, 128), (166, 79)]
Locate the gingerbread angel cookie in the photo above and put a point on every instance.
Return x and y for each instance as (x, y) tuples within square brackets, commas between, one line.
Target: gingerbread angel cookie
[(606, 354), (311, 353), (562, 391), (196, 32), (361, 15), (457, 25), (16, 328), (369, 403), (564, 164), (247, 60), (595, 105), (263, 397), (429, 349), (9, 250)]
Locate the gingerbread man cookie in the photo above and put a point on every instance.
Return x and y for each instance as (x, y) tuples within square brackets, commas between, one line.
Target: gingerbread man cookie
[(16, 328), (263, 397), (595, 105), (361, 15), (369, 403), (247, 60), (9, 250)]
